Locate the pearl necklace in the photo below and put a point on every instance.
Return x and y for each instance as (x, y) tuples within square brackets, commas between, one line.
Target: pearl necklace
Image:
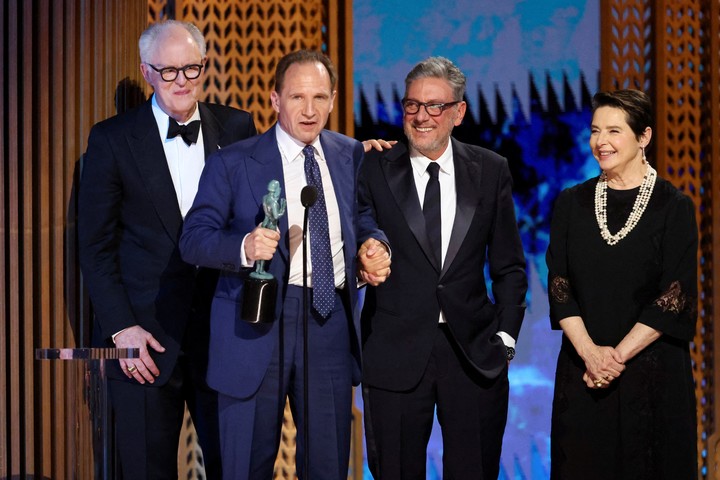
[(641, 202)]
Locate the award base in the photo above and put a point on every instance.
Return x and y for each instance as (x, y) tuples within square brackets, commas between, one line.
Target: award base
[(259, 299)]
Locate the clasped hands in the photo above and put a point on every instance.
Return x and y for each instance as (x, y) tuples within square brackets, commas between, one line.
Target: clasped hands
[(602, 366), (373, 262), (373, 256)]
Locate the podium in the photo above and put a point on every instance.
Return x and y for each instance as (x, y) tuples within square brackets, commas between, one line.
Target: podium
[(91, 444)]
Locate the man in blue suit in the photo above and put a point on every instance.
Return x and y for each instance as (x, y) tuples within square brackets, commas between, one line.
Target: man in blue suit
[(255, 366)]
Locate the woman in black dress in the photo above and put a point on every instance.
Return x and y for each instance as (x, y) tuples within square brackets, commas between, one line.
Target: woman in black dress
[(622, 285)]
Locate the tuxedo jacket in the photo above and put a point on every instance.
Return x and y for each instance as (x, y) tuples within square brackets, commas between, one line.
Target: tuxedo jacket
[(227, 207), (400, 317), (129, 224)]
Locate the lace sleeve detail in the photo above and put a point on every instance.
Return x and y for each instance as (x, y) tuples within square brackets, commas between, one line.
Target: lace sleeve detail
[(675, 300), (560, 289)]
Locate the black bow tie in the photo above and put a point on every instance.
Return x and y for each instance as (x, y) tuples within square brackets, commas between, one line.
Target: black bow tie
[(189, 132)]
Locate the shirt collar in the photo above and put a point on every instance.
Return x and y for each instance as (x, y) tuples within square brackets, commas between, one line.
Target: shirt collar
[(163, 119), (420, 162), (292, 148)]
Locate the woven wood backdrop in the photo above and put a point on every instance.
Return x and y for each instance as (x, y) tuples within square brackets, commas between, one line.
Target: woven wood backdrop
[(670, 49), (70, 63), (65, 66)]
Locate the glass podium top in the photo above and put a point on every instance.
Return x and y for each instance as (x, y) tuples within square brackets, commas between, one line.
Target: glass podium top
[(86, 353)]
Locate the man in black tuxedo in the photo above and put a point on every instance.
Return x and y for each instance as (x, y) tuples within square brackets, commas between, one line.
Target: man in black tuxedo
[(431, 336), (139, 179)]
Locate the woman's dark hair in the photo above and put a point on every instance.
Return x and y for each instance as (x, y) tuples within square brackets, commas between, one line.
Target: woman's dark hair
[(635, 104)]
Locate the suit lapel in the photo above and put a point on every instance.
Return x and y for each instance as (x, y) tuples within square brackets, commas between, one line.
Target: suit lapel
[(467, 171), (149, 156), (399, 174), (212, 130), (342, 173), (339, 163)]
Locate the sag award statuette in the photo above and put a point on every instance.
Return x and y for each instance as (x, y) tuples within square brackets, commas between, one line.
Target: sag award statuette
[(260, 288)]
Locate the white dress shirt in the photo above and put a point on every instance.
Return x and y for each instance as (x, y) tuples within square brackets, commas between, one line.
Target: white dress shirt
[(294, 173), (448, 202), (185, 162), (293, 163)]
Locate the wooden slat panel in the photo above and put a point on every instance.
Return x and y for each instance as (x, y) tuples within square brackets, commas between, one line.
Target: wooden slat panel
[(43, 386), (25, 253), (60, 78), (69, 111), (6, 12), (12, 345)]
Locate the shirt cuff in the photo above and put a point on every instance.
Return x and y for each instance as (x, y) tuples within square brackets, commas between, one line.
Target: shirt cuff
[(118, 333), (243, 259), (507, 339)]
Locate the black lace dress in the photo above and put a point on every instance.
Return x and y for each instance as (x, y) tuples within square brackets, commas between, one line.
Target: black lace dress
[(644, 425)]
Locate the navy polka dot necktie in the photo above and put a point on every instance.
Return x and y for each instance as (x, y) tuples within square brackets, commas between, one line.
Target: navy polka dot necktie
[(323, 272)]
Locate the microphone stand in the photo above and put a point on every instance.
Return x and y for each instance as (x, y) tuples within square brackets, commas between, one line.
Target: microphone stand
[(308, 197)]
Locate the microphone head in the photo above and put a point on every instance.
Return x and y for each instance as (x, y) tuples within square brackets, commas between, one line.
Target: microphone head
[(308, 196)]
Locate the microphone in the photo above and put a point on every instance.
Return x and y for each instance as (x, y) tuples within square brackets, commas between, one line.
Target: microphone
[(308, 197)]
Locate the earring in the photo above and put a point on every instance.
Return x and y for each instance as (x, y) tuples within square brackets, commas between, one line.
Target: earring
[(644, 158)]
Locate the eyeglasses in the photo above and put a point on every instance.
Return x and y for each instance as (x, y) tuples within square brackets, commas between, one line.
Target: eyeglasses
[(169, 74), (412, 107)]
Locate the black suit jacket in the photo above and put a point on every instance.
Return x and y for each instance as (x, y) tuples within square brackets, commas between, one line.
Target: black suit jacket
[(400, 317), (129, 224)]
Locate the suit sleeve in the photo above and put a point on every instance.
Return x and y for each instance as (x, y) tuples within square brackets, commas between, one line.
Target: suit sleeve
[(212, 235), (242, 126), (99, 214), (507, 260), (367, 219)]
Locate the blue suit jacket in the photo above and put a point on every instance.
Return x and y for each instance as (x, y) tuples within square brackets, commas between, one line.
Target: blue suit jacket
[(227, 207)]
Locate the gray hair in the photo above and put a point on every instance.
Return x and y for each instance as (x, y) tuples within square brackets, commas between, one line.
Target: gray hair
[(439, 67), (149, 37)]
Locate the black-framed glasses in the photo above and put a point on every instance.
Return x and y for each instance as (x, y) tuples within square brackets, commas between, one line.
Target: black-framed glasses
[(169, 74), (412, 107)]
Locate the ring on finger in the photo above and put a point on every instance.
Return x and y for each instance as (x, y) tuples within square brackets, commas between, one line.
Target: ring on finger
[(132, 368)]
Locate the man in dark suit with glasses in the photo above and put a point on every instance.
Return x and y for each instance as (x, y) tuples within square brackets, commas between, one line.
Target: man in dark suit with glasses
[(432, 338)]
